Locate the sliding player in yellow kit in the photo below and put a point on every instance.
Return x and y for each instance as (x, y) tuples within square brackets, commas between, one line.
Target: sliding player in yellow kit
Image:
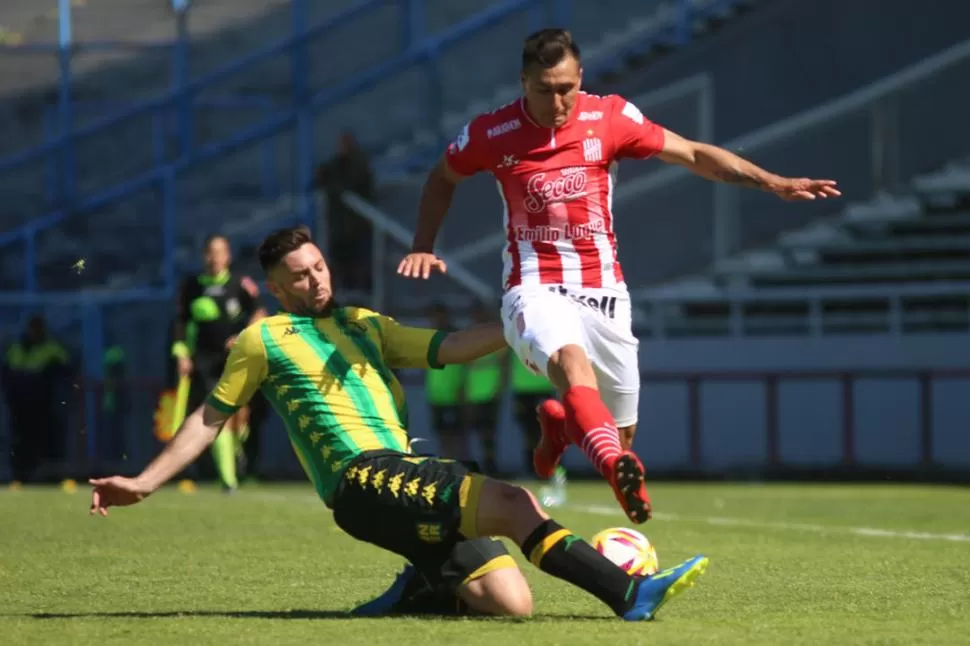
[(326, 370)]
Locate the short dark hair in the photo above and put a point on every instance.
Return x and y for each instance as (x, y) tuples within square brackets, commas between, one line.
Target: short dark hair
[(281, 242), (547, 48)]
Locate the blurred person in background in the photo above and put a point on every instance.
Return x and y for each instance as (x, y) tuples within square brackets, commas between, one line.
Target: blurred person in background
[(443, 391), (349, 235), (115, 402), (34, 373), (213, 308), (529, 390), (483, 382)]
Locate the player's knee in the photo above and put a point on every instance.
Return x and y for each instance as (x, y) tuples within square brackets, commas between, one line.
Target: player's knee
[(502, 592), (508, 510), (570, 366)]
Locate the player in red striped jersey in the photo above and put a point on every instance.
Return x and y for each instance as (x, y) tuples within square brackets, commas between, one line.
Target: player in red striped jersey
[(566, 307)]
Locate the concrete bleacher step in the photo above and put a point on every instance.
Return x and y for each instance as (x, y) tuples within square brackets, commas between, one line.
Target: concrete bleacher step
[(862, 274)]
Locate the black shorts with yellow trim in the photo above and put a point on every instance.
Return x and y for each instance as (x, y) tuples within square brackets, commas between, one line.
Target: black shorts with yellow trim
[(422, 508)]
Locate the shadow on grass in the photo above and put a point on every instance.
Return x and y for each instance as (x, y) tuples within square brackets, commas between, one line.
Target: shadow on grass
[(292, 614)]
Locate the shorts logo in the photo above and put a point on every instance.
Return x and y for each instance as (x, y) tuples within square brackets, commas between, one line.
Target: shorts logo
[(429, 532), (605, 305), (520, 323)]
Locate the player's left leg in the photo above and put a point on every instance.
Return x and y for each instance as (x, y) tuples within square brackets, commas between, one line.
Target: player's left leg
[(615, 353), (479, 578), (411, 505)]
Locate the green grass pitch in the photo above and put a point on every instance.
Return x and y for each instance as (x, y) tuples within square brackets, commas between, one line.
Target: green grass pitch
[(790, 564)]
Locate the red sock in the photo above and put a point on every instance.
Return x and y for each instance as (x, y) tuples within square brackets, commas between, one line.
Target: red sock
[(590, 426)]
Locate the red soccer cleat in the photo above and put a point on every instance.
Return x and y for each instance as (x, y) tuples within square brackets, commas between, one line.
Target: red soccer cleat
[(553, 443), (626, 479)]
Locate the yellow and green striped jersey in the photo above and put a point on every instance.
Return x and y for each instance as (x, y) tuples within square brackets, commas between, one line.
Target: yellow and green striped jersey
[(330, 380)]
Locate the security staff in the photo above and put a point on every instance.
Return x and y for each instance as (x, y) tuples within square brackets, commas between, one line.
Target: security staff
[(33, 371)]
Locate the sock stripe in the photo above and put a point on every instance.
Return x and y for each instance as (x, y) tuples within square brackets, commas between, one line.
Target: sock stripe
[(546, 544), (601, 446)]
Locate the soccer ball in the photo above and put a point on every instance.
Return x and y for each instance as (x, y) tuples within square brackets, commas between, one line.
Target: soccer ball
[(629, 549)]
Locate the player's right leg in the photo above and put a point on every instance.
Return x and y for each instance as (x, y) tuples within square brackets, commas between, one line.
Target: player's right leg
[(496, 508)]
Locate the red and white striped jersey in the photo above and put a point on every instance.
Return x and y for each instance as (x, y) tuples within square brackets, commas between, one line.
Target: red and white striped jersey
[(557, 185)]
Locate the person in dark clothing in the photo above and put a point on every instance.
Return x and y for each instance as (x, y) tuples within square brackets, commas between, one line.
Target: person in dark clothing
[(349, 234), (33, 372), (213, 308)]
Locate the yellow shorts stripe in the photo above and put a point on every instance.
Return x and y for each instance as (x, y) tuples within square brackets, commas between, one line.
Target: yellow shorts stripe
[(498, 563), (468, 494), (540, 550)]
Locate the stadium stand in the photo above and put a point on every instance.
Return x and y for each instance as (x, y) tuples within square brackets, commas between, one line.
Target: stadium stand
[(107, 82)]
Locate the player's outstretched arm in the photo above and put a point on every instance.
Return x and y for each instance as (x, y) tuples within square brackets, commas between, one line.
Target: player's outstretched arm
[(474, 343), (436, 197), (196, 433), (721, 165)]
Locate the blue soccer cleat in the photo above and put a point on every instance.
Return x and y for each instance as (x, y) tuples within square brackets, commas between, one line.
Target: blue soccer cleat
[(658, 589), (388, 600)]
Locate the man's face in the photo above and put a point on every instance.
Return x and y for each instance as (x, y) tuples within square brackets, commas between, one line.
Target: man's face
[(217, 256), (550, 93), (301, 281)]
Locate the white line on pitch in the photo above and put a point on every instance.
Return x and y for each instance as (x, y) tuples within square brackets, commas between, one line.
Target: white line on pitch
[(602, 510)]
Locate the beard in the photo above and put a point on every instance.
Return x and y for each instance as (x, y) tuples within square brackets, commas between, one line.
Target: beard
[(316, 312)]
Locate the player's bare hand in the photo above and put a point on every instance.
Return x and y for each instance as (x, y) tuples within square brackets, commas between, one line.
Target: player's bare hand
[(794, 190), (420, 265), (115, 491), (185, 366), (231, 341)]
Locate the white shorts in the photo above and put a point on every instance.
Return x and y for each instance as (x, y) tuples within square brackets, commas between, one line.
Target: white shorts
[(540, 320)]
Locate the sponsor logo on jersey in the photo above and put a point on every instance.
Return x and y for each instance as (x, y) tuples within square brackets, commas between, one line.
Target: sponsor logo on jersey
[(547, 233), (540, 191), (508, 161), (605, 305), (503, 128), (592, 150), (462, 139), (596, 115), (633, 113)]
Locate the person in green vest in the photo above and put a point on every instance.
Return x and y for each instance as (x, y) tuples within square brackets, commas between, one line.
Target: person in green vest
[(213, 308), (528, 391), (483, 382), (442, 389), (34, 369), (114, 405)]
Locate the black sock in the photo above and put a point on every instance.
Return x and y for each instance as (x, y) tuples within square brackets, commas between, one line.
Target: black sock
[(557, 551)]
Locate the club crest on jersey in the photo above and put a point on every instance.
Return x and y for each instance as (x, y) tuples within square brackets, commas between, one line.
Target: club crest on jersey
[(540, 192), (592, 150)]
